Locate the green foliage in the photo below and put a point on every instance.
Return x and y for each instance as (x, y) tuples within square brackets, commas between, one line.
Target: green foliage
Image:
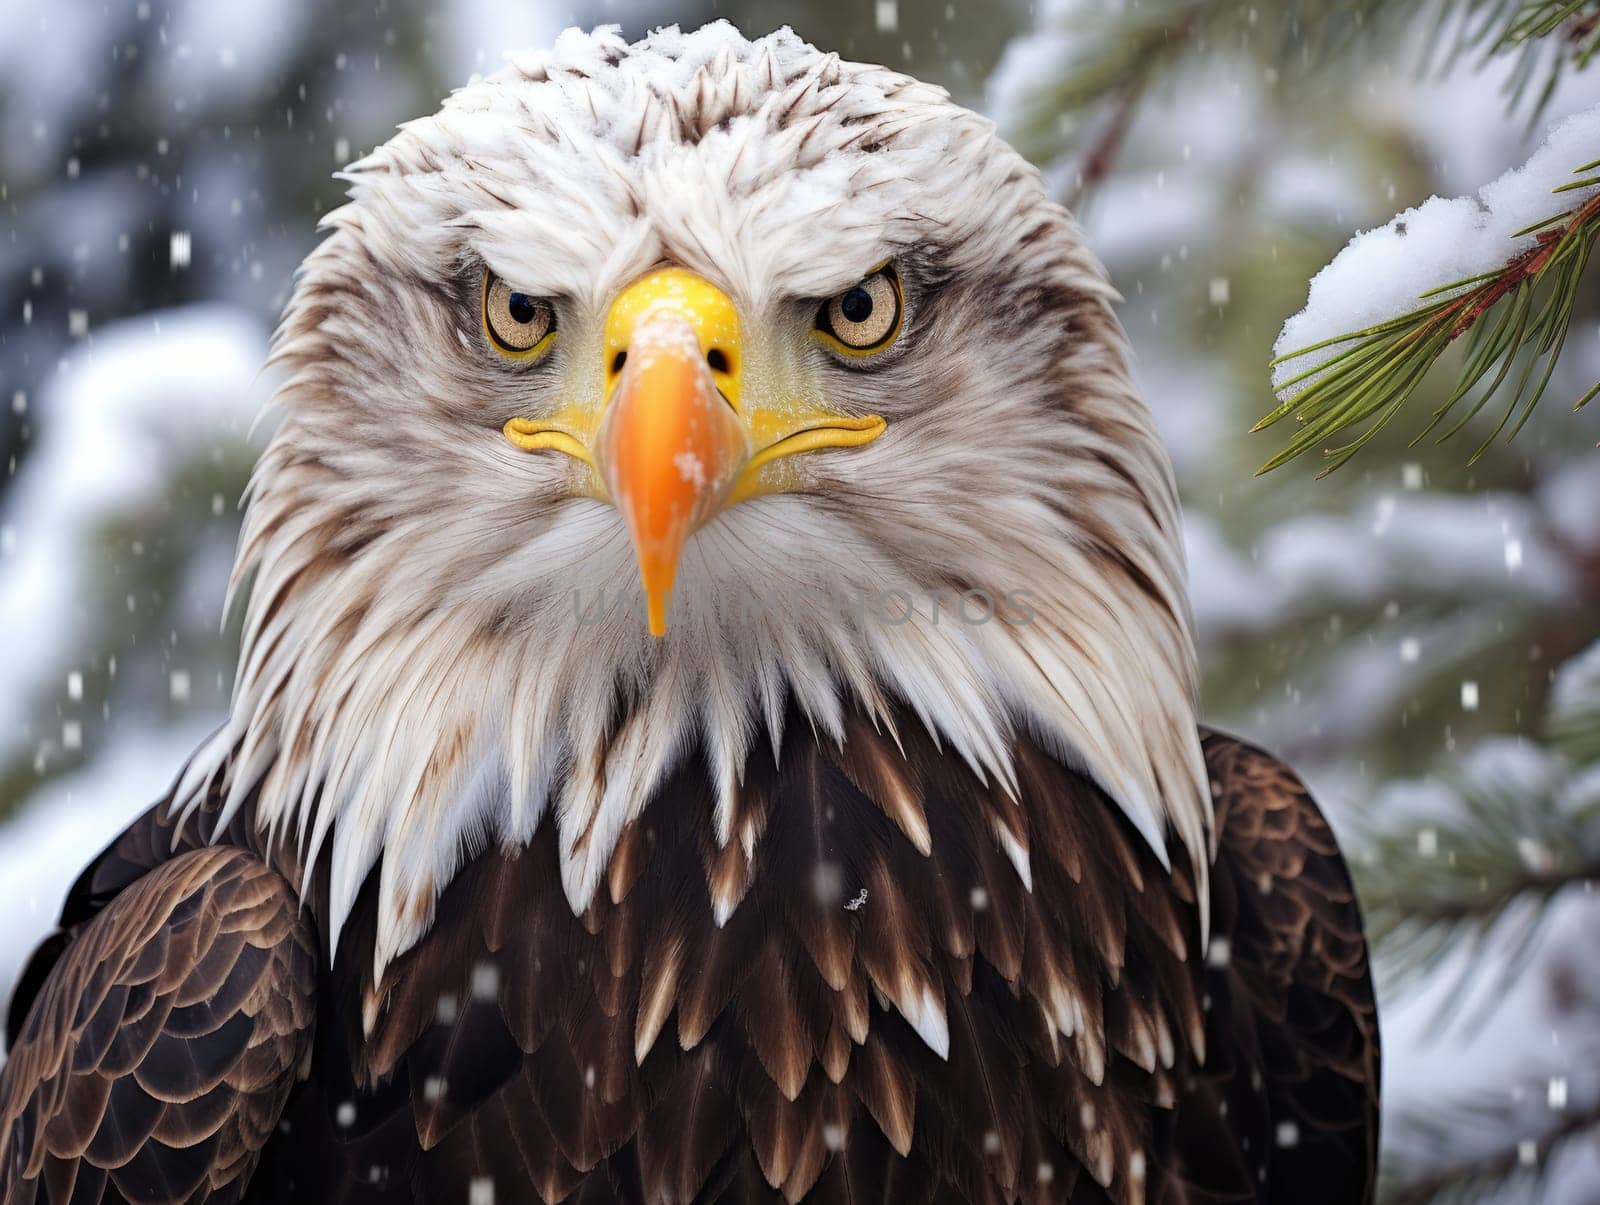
[(1518, 317), (1573, 30)]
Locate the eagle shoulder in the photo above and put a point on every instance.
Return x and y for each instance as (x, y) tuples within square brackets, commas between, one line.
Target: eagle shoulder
[(1293, 1026), (151, 1058)]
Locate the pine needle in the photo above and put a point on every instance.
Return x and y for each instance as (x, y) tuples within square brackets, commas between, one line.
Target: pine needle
[(1518, 315)]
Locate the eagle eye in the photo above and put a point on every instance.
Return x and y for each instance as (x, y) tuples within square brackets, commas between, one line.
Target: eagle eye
[(865, 318), (518, 325)]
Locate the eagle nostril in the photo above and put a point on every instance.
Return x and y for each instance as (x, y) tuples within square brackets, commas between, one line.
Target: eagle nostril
[(717, 359), (618, 360)]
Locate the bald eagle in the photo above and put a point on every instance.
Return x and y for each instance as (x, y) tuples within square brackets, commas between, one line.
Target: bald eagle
[(715, 719)]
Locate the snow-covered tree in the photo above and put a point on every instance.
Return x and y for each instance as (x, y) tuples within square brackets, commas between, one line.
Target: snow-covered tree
[(1419, 627)]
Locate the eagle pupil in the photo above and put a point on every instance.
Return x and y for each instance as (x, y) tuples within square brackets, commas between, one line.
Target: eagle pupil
[(856, 305), (523, 309)]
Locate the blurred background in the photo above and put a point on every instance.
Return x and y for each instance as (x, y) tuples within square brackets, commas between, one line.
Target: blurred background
[(1408, 632)]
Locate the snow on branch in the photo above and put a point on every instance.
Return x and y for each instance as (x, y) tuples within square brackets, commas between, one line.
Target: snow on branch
[(1478, 857), (1504, 267), (1573, 721), (1488, 847), (1491, 1157), (1461, 876)]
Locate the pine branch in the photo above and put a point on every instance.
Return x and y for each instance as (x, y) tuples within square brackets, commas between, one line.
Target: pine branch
[(1532, 298), (1578, 22), (1548, 36), (1102, 157), (1119, 51), (1512, 828), (1116, 63), (1517, 828), (1486, 870), (1117, 55), (1513, 1156), (1483, 906), (1573, 725)]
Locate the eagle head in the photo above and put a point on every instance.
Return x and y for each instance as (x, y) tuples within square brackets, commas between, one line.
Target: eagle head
[(647, 391)]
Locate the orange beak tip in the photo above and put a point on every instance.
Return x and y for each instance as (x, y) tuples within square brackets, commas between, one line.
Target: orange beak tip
[(670, 447), (656, 605)]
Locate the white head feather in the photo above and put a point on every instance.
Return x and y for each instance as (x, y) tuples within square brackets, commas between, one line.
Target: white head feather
[(439, 632)]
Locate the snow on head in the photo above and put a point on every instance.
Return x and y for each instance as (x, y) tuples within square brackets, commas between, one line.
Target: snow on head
[(1383, 273)]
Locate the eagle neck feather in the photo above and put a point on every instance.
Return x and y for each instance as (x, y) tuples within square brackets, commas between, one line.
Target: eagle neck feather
[(417, 744)]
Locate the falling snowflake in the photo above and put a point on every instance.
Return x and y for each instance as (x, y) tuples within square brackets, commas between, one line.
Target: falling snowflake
[(485, 981), (1535, 856), (827, 883)]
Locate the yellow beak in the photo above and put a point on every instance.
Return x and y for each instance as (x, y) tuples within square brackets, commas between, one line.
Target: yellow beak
[(676, 442)]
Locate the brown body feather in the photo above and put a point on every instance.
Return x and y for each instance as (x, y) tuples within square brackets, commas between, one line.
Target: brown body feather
[(639, 1052), (155, 1061)]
